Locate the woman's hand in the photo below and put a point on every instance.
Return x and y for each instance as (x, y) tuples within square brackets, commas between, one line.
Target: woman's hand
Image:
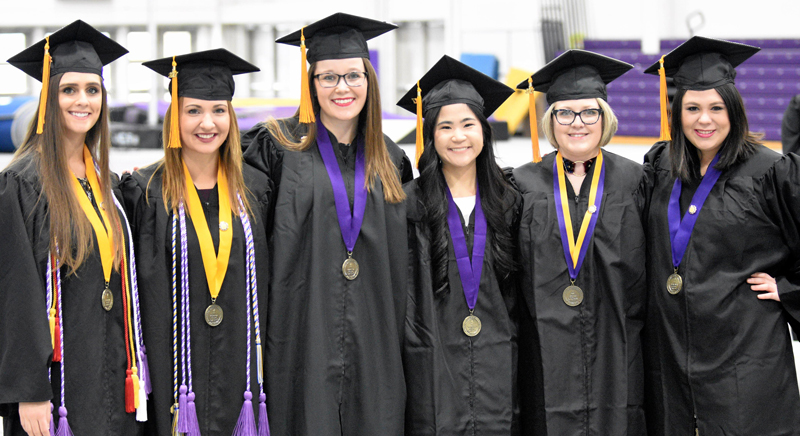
[(35, 418), (763, 282)]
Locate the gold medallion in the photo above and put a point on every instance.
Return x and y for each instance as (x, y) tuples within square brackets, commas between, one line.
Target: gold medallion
[(572, 295), (674, 283), (223, 225), (692, 210), (471, 325), (107, 299), (350, 268), (213, 315)]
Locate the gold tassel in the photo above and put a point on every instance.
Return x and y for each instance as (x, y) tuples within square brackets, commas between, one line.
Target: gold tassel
[(537, 155), (174, 122), (306, 109), (52, 320), (420, 142), (664, 99), (135, 378), (45, 86)]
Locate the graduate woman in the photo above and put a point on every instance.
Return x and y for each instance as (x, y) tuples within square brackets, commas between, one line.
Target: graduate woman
[(460, 352), (67, 258), (198, 217), (337, 292), (583, 255), (722, 223)]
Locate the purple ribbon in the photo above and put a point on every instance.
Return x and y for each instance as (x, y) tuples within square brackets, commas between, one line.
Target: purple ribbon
[(680, 229), (562, 224), (349, 222), (470, 272)]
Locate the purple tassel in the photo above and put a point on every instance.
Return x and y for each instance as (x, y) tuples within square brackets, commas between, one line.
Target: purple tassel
[(144, 373), (246, 425), (52, 422), (263, 420), (191, 411), (63, 425), (183, 424)]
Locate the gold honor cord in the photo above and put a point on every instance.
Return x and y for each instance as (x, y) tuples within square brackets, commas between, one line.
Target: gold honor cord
[(575, 247), (215, 265), (104, 234)]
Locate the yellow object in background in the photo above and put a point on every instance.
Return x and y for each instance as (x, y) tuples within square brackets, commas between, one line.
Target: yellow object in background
[(515, 109)]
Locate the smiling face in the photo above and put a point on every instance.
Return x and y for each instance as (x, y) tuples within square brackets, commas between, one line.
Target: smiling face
[(704, 120), (204, 125), (80, 98), (458, 137), (343, 102), (578, 141)]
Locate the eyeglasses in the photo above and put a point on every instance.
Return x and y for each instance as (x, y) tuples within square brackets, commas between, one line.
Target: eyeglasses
[(565, 117), (331, 80)]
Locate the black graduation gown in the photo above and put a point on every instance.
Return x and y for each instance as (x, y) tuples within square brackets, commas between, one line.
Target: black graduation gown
[(333, 363), (94, 340), (723, 354), (458, 385), (584, 373), (218, 353)]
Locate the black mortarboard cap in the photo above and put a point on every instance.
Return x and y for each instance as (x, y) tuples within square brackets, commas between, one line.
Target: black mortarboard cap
[(704, 63), (451, 82), (206, 75), (339, 36), (575, 75), (77, 47)]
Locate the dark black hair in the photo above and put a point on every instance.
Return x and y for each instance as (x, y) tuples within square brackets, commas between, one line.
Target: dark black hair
[(496, 201), (737, 146)]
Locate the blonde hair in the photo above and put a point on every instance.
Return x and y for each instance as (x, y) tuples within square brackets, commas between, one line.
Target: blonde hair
[(378, 162), (609, 120), (173, 186)]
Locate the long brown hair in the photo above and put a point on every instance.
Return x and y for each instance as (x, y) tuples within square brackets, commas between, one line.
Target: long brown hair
[(173, 186), (378, 162), (69, 226), (739, 145)]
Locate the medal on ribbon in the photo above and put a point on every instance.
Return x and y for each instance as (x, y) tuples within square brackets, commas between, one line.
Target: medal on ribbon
[(215, 264), (349, 221), (469, 271), (680, 229), (575, 251)]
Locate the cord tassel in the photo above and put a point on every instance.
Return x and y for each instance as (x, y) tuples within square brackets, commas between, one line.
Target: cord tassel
[(52, 421), (174, 123), (537, 155), (306, 109), (146, 372), (63, 424), (45, 86), (183, 425), (192, 423), (263, 419), (246, 425), (663, 100), (57, 335), (130, 398)]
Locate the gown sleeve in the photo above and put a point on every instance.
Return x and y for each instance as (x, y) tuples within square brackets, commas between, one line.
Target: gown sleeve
[(262, 152), (780, 199), (131, 195), (25, 347)]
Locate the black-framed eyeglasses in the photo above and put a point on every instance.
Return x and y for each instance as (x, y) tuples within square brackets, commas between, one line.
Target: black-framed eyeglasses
[(565, 117), (331, 80)]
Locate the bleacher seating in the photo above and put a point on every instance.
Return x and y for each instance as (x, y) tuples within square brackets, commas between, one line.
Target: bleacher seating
[(767, 82)]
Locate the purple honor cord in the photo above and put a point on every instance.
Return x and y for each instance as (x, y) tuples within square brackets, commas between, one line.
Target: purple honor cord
[(562, 224), (349, 222), (680, 229), (469, 271)]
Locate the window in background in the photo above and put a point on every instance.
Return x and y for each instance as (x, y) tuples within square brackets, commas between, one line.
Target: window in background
[(12, 80)]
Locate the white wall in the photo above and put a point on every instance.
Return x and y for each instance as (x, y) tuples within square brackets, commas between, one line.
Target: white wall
[(630, 19)]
